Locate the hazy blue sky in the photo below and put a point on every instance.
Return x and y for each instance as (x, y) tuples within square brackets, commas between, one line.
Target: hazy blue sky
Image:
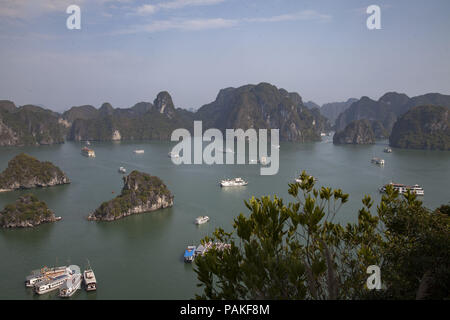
[(129, 50)]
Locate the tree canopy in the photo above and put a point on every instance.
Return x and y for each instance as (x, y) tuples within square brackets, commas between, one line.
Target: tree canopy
[(297, 251)]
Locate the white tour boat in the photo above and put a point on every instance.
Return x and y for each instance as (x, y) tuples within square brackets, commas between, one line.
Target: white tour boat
[(72, 283), (236, 182), (139, 151), (378, 161), (90, 281), (403, 188), (43, 274), (201, 219)]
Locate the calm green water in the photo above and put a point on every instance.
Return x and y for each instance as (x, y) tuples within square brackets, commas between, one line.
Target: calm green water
[(140, 257)]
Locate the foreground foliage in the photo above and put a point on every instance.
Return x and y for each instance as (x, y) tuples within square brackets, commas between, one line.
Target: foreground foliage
[(296, 251)]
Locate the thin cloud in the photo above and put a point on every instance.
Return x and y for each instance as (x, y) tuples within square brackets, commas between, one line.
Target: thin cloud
[(179, 24), (217, 23), (302, 15), (148, 9)]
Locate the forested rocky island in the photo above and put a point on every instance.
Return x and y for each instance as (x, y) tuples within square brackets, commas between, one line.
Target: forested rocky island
[(423, 127), (27, 211), (357, 132), (141, 193), (25, 172)]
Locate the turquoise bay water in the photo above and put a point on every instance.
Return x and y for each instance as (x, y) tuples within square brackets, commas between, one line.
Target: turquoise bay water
[(140, 257)]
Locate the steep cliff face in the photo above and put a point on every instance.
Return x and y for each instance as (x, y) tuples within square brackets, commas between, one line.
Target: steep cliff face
[(26, 212), (423, 127), (357, 132), (24, 172), (29, 125), (263, 106), (141, 193), (143, 121), (388, 108)]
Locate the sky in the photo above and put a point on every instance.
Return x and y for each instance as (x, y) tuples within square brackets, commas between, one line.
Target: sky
[(129, 50)]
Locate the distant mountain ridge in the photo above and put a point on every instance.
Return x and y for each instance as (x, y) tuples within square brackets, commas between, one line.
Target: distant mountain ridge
[(260, 106), (333, 109)]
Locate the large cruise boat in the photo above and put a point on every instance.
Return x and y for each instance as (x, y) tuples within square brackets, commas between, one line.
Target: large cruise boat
[(43, 274), (72, 283), (51, 284), (85, 151), (403, 188), (236, 182)]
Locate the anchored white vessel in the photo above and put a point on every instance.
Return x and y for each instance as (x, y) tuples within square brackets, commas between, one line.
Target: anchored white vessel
[(403, 188), (122, 170), (263, 161), (43, 274), (201, 219), (236, 182), (90, 281), (85, 151), (378, 161), (139, 151), (51, 284), (72, 283), (387, 150)]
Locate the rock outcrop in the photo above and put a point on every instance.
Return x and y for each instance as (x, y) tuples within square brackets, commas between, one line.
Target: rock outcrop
[(141, 193), (26, 212), (423, 127), (357, 132), (25, 172)]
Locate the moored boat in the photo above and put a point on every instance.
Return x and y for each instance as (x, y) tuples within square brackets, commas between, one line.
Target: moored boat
[(72, 283), (85, 151), (51, 284), (138, 151), (173, 155), (189, 254), (90, 281), (122, 170), (378, 161), (43, 274), (387, 150), (236, 182), (403, 188), (201, 219)]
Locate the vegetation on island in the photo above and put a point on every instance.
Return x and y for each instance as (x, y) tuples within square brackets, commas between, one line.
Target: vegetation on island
[(423, 127), (25, 171), (357, 132), (296, 251), (29, 125), (141, 193), (27, 211)]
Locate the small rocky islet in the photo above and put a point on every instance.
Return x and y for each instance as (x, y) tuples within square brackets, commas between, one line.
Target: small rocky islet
[(26, 172), (141, 193), (27, 211)]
